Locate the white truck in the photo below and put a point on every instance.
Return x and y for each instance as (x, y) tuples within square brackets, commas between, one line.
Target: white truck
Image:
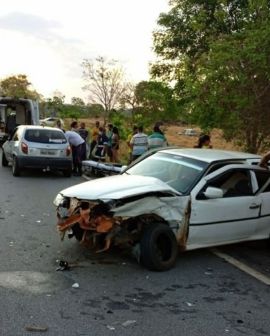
[(14, 112)]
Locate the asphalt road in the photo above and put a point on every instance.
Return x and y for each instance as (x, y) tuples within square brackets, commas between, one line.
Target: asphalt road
[(202, 295)]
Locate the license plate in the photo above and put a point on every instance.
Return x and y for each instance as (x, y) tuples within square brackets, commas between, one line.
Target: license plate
[(47, 152)]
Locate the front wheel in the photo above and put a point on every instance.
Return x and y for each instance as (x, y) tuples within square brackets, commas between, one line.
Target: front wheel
[(158, 247), (16, 171), (4, 160)]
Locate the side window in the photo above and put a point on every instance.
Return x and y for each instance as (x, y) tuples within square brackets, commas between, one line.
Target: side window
[(263, 180), (233, 183)]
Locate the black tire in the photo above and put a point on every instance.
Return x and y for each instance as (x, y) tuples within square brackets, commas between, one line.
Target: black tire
[(158, 247), (77, 232), (67, 172), (4, 160), (16, 171)]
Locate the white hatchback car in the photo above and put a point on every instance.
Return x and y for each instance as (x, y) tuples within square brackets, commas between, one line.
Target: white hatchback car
[(171, 199), (37, 147)]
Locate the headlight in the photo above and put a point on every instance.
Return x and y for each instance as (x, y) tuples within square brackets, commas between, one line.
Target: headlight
[(59, 199)]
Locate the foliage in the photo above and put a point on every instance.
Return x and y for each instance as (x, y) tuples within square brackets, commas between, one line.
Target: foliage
[(18, 86), (232, 90), (155, 101), (217, 54), (119, 120), (55, 105), (104, 81)]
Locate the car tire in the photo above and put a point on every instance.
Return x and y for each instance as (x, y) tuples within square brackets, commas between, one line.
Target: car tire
[(16, 171), (77, 232), (158, 247), (67, 172), (4, 160)]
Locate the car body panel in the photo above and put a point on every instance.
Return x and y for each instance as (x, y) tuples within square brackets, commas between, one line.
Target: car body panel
[(117, 187)]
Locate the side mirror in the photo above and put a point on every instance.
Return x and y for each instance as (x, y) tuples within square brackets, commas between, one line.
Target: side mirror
[(123, 168), (212, 193)]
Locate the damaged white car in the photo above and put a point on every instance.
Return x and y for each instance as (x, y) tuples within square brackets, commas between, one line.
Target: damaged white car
[(171, 200)]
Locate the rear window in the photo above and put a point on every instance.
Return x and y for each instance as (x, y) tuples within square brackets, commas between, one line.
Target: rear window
[(45, 136)]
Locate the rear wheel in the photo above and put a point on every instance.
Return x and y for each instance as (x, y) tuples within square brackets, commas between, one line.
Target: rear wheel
[(158, 247), (16, 171), (4, 160)]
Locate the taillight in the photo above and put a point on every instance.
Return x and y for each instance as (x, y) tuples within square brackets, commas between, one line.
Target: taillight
[(24, 148), (68, 151)]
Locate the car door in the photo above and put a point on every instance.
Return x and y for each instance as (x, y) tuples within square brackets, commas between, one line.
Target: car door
[(229, 218), (263, 191), (9, 144)]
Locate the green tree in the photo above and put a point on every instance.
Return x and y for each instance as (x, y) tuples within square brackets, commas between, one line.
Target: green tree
[(55, 105), (155, 101), (232, 90), (216, 53), (18, 86), (104, 81), (185, 32)]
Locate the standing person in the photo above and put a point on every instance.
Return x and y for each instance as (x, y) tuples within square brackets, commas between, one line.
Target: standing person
[(95, 133), (135, 131), (75, 141), (157, 138), (139, 143), (59, 125), (204, 141), (109, 147), (115, 144), (102, 143), (74, 126), (84, 134)]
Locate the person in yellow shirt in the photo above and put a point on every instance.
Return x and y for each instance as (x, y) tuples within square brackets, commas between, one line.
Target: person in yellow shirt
[(95, 133)]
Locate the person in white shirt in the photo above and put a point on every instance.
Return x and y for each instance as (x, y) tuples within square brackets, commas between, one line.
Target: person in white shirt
[(76, 143), (139, 143)]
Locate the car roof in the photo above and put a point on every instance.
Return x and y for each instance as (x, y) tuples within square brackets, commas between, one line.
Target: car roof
[(39, 127), (210, 155)]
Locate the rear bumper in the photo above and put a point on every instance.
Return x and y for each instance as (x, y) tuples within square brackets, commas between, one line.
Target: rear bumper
[(44, 163)]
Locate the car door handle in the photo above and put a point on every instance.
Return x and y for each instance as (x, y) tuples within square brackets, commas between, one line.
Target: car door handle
[(254, 206)]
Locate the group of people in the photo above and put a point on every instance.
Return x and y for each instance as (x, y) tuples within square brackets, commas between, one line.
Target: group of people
[(105, 143), (139, 142)]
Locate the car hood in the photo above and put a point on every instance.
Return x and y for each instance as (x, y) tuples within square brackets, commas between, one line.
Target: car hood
[(117, 187)]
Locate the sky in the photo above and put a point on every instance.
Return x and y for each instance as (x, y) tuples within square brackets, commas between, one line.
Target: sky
[(48, 40)]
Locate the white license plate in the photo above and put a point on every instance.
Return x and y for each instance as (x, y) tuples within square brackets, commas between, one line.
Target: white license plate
[(47, 152)]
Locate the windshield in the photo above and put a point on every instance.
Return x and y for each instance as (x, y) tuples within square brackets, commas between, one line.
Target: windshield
[(177, 171)]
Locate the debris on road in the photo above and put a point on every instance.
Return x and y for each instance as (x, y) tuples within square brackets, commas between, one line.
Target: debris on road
[(75, 285), (63, 266), (36, 329), (128, 323)]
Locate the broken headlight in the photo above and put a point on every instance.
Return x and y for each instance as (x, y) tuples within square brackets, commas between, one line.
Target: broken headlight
[(59, 200)]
